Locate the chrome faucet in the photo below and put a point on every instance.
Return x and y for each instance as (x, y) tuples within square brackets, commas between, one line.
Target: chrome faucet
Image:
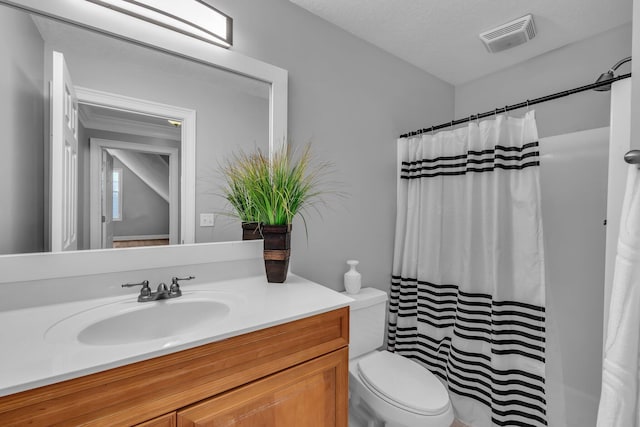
[(163, 292)]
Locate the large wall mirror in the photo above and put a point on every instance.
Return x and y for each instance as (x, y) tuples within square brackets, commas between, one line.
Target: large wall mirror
[(157, 112)]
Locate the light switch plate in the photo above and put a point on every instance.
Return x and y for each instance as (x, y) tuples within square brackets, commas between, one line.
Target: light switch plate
[(207, 220)]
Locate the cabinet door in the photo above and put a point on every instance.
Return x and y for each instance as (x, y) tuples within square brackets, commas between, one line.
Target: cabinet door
[(166, 420), (311, 394)]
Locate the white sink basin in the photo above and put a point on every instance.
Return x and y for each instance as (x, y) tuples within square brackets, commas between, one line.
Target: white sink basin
[(153, 320), (130, 322)]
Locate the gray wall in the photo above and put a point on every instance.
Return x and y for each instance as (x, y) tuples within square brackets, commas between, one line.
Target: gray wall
[(571, 66), (352, 100), (22, 158), (144, 212)]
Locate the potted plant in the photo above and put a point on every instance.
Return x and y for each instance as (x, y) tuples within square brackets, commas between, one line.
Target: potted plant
[(272, 192), (238, 174)]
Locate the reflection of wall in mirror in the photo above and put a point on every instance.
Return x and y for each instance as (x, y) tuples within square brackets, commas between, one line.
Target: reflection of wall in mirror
[(22, 158), (227, 118)]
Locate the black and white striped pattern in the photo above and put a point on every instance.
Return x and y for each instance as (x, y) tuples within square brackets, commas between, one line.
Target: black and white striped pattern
[(448, 331), (499, 157)]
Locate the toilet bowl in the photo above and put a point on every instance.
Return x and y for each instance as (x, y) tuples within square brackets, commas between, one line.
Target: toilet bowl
[(386, 388), (399, 391)]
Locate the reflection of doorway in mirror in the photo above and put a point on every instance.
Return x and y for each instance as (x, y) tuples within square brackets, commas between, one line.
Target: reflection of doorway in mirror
[(136, 199), (147, 194), (132, 127)]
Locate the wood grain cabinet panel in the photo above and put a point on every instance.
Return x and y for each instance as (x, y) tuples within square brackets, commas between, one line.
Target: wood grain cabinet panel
[(314, 394), (142, 391), (166, 420)]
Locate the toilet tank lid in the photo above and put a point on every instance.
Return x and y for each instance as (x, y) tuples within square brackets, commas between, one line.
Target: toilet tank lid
[(366, 297)]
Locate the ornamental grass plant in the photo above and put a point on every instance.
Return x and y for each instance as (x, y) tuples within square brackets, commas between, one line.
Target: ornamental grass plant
[(273, 191), (240, 173)]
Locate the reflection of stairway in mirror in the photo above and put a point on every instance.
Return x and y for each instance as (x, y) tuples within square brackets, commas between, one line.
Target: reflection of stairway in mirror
[(151, 168), (143, 197)]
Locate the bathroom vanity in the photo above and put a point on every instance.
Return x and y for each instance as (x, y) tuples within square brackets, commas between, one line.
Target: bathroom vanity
[(278, 357), (289, 375)]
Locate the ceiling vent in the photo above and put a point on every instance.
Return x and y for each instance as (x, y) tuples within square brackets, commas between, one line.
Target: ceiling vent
[(509, 35)]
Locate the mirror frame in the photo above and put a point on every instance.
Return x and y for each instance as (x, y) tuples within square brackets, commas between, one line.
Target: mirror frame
[(25, 267)]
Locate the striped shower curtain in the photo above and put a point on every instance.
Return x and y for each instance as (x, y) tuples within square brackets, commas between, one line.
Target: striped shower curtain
[(467, 292)]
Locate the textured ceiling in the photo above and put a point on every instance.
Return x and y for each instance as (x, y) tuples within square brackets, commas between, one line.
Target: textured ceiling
[(441, 36)]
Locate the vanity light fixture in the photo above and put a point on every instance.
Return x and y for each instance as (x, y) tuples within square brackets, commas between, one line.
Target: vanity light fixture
[(195, 18)]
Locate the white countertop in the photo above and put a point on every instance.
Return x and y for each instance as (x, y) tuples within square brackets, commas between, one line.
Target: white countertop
[(32, 356)]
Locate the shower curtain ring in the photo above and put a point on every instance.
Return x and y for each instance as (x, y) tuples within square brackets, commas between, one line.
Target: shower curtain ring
[(527, 105), (431, 130)]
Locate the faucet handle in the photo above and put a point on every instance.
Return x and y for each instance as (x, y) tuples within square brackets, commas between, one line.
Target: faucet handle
[(144, 292), (175, 287), (175, 280)]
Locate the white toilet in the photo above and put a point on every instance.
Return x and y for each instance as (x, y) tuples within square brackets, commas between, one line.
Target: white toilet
[(385, 388)]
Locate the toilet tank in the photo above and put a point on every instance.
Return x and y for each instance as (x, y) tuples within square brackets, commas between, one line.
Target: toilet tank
[(366, 321)]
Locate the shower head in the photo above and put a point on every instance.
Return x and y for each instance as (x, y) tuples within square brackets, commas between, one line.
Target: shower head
[(609, 75), (604, 77)]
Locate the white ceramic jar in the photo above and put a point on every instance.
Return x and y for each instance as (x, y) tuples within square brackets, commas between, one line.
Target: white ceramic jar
[(352, 278)]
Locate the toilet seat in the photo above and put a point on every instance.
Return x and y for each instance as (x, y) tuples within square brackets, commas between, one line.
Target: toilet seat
[(403, 383)]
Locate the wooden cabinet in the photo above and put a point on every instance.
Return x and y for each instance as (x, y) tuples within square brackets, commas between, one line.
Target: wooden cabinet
[(273, 375)]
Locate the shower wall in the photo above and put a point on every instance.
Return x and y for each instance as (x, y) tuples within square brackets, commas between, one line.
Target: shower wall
[(573, 174)]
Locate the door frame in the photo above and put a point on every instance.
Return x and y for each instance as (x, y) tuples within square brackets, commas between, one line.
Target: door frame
[(187, 178), (96, 145)]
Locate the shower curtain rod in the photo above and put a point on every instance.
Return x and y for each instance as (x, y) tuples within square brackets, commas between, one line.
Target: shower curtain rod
[(526, 103)]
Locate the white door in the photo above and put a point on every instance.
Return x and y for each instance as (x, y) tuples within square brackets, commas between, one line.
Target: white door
[(64, 159), (107, 199)]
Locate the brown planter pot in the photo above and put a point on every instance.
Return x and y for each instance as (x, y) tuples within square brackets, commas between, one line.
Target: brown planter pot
[(277, 248), (251, 231)]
